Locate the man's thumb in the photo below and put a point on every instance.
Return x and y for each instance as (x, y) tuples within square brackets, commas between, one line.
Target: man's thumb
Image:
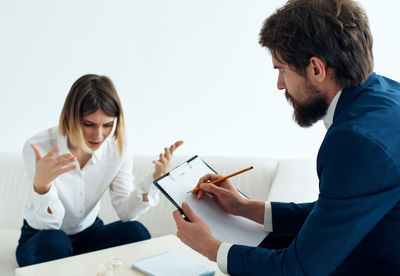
[(188, 212)]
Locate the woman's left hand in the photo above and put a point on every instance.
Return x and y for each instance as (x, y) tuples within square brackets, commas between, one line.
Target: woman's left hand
[(161, 165)]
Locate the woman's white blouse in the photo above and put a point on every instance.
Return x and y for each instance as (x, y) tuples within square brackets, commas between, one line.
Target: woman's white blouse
[(74, 197)]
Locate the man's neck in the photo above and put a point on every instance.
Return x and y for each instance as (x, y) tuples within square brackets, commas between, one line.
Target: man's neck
[(331, 86), (328, 118)]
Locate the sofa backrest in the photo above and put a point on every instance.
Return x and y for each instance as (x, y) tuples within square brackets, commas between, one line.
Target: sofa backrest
[(271, 179), (12, 189), (256, 184)]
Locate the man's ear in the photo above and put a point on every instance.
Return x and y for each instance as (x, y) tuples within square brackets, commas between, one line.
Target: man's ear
[(316, 69)]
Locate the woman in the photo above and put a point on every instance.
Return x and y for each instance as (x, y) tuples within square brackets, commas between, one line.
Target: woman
[(85, 156)]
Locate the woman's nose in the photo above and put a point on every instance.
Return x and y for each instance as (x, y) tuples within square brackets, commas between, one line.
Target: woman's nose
[(99, 134)]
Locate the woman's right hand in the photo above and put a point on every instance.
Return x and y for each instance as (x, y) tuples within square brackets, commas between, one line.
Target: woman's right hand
[(49, 168)]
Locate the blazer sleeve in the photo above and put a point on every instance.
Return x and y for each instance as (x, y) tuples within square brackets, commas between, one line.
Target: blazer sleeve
[(358, 186), (288, 218)]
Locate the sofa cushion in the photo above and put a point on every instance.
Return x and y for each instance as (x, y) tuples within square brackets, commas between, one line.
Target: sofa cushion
[(295, 181)]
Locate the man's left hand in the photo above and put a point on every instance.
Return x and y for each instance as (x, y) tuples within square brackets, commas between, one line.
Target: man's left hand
[(196, 233)]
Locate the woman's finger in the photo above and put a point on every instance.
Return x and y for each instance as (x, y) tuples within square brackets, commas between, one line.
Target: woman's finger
[(172, 149), (167, 153), (66, 162), (163, 159), (50, 154), (36, 149), (177, 144), (65, 170), (63, 157)]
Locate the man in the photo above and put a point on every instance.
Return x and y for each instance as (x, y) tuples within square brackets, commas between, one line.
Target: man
[(323, 51)]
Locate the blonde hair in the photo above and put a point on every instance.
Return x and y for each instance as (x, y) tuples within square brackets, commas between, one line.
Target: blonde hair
[(88, 94)]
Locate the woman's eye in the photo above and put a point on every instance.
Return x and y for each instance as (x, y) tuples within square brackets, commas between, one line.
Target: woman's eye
[(88, 125), (108, 125)]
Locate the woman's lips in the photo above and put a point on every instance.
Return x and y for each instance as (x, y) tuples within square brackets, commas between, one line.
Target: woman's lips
[(94, 144)]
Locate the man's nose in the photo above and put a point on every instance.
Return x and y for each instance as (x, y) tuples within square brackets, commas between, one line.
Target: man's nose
[(280, 83)]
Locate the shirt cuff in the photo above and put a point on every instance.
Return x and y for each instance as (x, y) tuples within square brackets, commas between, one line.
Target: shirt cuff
[(153, 194), (45, 199), (268, 217), (48, 209), (222, 256)]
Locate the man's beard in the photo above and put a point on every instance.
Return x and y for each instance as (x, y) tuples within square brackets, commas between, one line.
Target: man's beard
[(306, 114)]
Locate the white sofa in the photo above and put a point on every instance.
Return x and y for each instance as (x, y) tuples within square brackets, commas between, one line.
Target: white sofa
[(271, 179)]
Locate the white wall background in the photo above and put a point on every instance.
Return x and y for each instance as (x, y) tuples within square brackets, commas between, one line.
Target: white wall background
[(184, 69)]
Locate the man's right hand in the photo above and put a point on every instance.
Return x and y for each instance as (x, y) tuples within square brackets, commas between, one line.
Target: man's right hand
[(223, 193), (49, 168)]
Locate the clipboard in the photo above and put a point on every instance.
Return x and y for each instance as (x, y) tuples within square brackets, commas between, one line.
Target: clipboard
[(173, 174), (175, 184)]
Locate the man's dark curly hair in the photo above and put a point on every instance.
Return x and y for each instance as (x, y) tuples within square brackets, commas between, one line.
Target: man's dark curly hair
[(336, 31)]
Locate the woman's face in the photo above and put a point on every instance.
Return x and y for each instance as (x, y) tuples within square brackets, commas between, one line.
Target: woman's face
[(96, 127)]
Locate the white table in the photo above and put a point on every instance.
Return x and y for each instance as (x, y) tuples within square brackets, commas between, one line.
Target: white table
[(87, 264)]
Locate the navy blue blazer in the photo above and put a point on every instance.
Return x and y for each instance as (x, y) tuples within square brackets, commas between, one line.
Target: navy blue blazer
[(354, 226)]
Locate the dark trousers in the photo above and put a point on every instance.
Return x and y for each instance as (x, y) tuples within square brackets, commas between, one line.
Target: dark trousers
[(37, 246)]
